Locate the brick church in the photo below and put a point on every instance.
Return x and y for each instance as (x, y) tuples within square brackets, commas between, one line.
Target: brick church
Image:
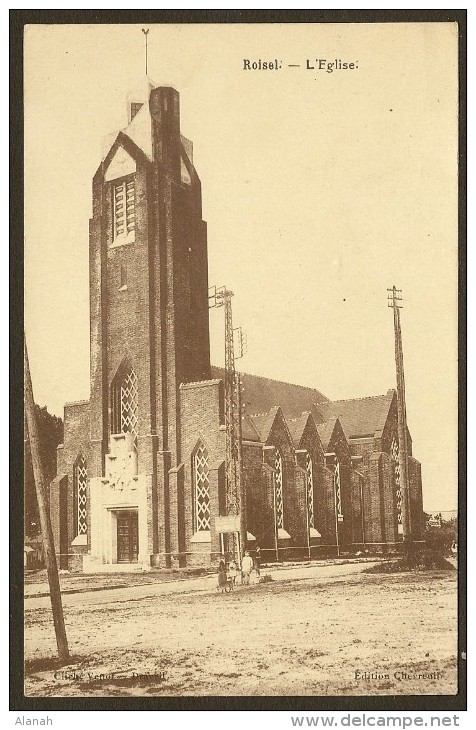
[(141, 473)]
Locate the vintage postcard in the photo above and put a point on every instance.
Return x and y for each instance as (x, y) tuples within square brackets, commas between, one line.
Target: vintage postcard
[(241, 309)]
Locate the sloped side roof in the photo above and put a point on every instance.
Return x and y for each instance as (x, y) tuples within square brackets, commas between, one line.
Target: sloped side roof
[(263, 423), (296, 427), (249, 431), (261, 394), (140, 131), (359, 416)]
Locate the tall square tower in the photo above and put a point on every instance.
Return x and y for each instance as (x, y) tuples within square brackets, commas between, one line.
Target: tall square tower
[(149, 331)]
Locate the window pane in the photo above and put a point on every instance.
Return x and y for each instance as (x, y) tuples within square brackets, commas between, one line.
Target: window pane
[(337, 487), (81, 480), (396, 478), (129, 403), (310, 490)]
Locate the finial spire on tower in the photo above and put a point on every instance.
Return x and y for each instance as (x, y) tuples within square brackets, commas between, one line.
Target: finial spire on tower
[(146, 33)]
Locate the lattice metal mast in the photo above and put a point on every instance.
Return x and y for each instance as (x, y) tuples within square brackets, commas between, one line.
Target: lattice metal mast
[(235, 501), (395, 301)]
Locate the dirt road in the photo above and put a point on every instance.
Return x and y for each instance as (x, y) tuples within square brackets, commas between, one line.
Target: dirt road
[(308, 632), (202, 584)]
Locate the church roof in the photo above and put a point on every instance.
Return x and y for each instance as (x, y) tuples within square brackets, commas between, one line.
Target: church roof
[(139, 126), (325, 431), (261, 394), (141, 90), (359, 416), (139, 130)]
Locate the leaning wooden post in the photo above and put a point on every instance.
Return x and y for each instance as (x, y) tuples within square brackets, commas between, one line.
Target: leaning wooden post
[(46, 531)]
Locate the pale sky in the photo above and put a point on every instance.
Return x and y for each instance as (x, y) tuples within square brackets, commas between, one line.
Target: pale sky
[(320, 190)]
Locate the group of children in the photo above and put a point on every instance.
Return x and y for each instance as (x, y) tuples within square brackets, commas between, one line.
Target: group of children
[(227, 573)]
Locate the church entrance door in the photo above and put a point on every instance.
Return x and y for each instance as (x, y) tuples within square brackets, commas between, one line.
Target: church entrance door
[(127, 537)]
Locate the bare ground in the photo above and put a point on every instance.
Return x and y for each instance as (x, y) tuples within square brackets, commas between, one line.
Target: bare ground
[(286, 637)]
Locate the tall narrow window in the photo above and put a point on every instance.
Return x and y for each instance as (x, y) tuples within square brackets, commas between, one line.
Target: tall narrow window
[(123, 278), (394, 451), (80, 480), (310, 489), (201, 471), (124, 207), (337, 487), (135, 108), (278, 489), (124, 401)]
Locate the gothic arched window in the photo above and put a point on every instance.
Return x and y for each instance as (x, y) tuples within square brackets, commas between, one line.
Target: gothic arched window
[(124, 401), (394, 451), (80, 480), (337, 486), (201, 479), (309, 490), (278, 489)]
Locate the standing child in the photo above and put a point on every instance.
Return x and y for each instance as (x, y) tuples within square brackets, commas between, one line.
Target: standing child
[(246, 568), (258, 560), (222, 579), (232, 571)]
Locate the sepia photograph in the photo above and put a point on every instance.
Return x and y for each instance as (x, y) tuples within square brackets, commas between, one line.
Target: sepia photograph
[(241, 360)]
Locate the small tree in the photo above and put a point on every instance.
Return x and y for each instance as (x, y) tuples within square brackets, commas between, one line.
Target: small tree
[(441, 538), (50, 432)]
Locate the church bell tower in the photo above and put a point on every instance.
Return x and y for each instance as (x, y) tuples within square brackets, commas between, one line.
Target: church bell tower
[(149, 325)]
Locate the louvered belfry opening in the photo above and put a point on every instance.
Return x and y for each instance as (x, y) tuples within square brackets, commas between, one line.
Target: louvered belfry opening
[(124, 401), (124, 207)]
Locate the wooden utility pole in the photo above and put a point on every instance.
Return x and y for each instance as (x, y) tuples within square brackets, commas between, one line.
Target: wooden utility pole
[(242, 493), (46, 531), (394, 298)]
